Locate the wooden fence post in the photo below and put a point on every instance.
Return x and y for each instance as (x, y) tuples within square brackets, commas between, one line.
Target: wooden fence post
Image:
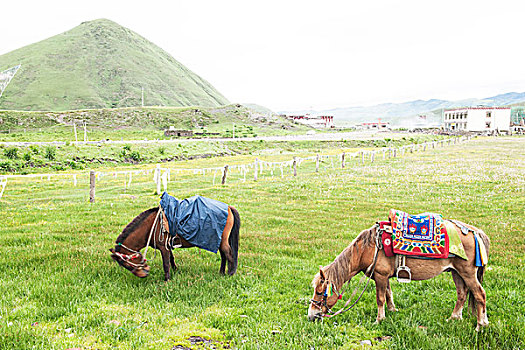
[(256, 170), (157, 178), (343, 160), (75, 128), (362, 157), (317, 163), (164, 181), (3, 184), (224, 174), (294, 166), (372, 156), (92, 186)]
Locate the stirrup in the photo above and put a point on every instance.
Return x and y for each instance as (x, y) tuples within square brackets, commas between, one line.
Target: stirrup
[(403, 268), (173, 245), (404, 279)]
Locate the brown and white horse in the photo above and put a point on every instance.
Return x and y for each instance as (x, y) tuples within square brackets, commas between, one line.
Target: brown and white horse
[(359, 257), (150, 228)]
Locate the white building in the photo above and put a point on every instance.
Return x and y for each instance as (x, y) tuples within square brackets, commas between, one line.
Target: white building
[(477, 119), (319, 122)]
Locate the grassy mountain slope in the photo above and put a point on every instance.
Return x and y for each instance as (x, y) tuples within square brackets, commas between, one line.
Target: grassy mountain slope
[(258, 108), (100, 64), (140, 123)]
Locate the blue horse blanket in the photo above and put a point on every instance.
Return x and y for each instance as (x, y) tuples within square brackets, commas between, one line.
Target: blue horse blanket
[(198, 220)]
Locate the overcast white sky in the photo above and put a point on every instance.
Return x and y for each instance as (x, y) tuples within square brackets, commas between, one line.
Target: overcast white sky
[(290, 55)]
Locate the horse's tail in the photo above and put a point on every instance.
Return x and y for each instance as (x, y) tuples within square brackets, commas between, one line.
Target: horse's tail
[(480, 273), (233, 240)]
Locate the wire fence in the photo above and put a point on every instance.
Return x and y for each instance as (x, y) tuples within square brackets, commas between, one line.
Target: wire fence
[(84, 186)]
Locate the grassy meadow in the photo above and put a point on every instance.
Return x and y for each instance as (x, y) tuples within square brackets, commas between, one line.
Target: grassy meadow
[(60, 289), (139, 123), (52, 158)]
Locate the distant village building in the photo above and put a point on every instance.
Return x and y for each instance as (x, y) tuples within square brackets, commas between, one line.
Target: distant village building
[(477, 119), (375, 125), (178, 133), (319, 122)]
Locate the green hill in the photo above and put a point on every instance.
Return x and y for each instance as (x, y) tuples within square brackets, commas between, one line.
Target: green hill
[(100, 64)]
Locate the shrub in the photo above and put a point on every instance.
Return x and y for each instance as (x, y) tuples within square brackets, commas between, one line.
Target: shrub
[(34, 149), (10, 166), (135, 155), (50, 153), (5, 166), (74, 165), (59, 167), (162, 149), (27, 156), (11, 153), (126, 148)]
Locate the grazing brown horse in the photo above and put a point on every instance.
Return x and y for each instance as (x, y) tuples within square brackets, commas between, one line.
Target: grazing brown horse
[(150, 229), (359, 257)]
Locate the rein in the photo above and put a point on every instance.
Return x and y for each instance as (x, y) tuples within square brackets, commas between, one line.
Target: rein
[(370, 270)]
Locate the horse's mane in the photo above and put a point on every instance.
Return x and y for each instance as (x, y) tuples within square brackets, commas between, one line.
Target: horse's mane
[(338, 270), (132, 226)]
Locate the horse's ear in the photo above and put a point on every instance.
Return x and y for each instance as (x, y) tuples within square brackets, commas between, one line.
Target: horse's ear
[(321, 273)]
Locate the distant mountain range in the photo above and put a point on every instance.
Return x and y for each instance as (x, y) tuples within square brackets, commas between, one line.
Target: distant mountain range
[(100, 64), (410, 114)]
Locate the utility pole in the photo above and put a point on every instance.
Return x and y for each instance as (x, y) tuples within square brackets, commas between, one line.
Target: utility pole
[(233, 130), (85, 132), (75, 127)]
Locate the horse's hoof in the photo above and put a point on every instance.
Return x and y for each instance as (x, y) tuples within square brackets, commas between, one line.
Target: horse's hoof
[(482, 324), (393, 310)]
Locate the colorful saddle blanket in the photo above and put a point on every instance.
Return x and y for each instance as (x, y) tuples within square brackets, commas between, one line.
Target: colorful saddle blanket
[(421, 235), (198, 220)]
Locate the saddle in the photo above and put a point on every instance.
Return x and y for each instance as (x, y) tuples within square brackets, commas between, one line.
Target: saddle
[(422, 236), (425, 236)]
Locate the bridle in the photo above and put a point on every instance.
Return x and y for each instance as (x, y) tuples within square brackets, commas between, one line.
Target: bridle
[(126, 260), (330, 286)]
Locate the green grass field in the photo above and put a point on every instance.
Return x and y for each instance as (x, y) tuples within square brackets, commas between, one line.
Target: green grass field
[(141, 123), (67, 157), (60, 289)]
